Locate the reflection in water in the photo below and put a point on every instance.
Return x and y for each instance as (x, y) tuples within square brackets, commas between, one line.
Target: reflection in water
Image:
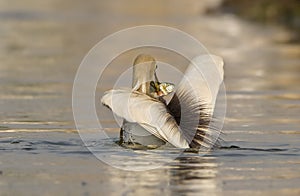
[(189, 174), (194, 174)]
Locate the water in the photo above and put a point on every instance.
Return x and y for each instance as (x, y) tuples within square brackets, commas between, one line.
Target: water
[(42, 44)]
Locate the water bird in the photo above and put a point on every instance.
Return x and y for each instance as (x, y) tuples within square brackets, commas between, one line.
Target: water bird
[(185, 122)]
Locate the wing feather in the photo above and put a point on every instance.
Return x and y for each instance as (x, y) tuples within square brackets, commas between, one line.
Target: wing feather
[(194, 100), (150, 113)]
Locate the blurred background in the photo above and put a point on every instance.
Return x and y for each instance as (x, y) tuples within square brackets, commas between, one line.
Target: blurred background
[(43, 42), (267, 12)]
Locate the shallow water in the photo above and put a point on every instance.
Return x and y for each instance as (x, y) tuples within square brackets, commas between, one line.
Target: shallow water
[(42, 45)]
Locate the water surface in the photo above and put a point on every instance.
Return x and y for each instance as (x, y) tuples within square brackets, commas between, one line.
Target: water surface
[(42, 45)]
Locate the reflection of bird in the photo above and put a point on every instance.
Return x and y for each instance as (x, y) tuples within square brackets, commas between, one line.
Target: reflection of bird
[(184, 122)]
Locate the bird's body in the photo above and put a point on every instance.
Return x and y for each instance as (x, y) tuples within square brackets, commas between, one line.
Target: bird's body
[(184, 122)]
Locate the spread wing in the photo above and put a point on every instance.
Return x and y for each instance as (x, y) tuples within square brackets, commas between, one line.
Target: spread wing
[(150, 113), (187, 120), (194, 100)]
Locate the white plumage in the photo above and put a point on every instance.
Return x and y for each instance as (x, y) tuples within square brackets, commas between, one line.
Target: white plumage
[(184, 122)]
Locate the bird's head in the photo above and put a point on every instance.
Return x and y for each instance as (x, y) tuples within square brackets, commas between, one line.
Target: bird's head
[(158, 89)]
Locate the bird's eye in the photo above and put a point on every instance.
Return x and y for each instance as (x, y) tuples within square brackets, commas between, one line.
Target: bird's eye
[(152, 84), (152, 87)]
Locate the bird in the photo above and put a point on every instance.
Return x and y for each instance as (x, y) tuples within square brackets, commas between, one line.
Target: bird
[(186, 121)]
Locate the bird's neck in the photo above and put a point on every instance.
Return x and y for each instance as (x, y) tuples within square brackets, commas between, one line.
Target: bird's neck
[(143, 74)]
